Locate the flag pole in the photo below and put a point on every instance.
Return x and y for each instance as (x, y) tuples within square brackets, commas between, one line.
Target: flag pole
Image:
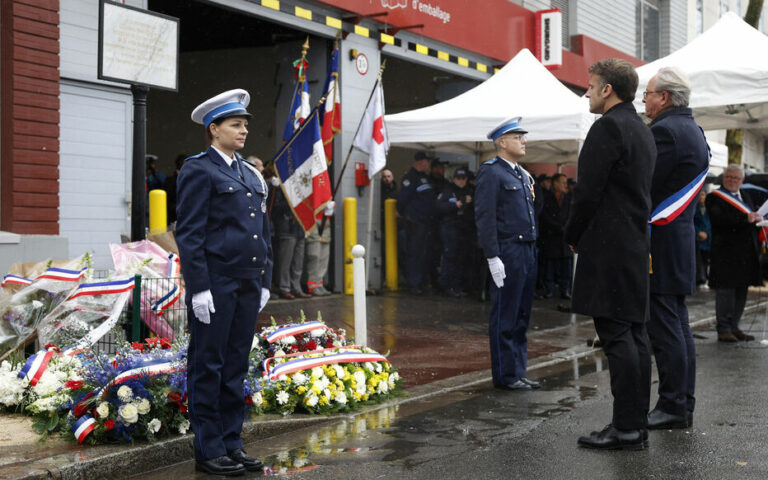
[(368, 230), (351, 146)]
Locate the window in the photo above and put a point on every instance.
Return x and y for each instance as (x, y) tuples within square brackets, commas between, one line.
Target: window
[(563, 6), (699, 16), (648, 29)]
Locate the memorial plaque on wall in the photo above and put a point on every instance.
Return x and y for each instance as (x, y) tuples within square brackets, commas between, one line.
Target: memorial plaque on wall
[(138, 46)]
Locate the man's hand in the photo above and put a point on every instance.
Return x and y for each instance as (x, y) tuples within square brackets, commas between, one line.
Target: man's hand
[(202, 305), (702, 236), (458, 204), (264, 298), (468, 199), (753, 217), (573, 249), (496, 266)]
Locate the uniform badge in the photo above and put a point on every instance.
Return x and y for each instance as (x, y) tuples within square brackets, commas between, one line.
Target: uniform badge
[(533, 193), (263, 206), (406, 182)]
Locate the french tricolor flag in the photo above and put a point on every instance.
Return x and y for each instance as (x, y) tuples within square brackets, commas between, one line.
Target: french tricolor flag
[(63, 274), (15, 280), (83, 427), (303, 172), (103, 288), (35, 365)]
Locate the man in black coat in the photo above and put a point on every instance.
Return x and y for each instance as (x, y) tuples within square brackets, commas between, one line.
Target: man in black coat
[(734, 254), (608, 228), (558, 257), (683, 157)]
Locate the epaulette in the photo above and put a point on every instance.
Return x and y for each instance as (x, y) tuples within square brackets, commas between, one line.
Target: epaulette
[(196, 156), (491, 161)]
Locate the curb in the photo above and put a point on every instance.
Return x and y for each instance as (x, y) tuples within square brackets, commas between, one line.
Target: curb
[(117, 460)]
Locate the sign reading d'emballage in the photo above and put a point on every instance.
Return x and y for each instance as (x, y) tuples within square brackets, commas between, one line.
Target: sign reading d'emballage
[(549, 38), (138, 46)]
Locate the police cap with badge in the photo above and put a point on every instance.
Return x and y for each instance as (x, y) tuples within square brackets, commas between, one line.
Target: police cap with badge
[(461, 172), (231, 103), (510, 125)]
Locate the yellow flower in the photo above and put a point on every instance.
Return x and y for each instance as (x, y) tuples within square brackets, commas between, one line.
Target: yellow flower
[(357, 396), (329, 371), (301, 389), (323, 400), (386, 366), (316, 388)]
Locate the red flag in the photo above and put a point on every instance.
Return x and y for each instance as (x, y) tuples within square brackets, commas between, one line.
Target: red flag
[(332, 109)]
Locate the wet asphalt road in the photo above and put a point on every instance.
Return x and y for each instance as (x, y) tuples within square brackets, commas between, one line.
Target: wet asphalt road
[(480, 432)]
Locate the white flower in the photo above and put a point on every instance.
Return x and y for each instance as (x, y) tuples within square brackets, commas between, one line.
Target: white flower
[(143, 406), (36, 304), (318, 332), (368, 366), (183, 426), (279, 353), (395, 375), (289, 340), (283, 456), (282, 378), (255, 342), (359, 378), (327, 393), (103, 409), (382, 387), (48, 384), (299, 378), (128, 413), (312, 400), (282, 397), (324, 382), (300, 462), (125, 393), (154, 425), (339, 371), (378, 367), (257, 400), (341, 397), (317, 372), (337, 343)]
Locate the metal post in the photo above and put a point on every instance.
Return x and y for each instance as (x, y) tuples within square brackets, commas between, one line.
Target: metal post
[(390, 242), (136, 311), (358, 267), (139, 171), (350, 239)]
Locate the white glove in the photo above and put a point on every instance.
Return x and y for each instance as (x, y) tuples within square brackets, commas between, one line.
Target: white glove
[(496, 266), (264, 298), (762, 223), (202, 305), (274, 181), (329, 208)]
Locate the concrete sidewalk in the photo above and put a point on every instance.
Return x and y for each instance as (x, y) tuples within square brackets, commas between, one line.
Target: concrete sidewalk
[(438, 345)]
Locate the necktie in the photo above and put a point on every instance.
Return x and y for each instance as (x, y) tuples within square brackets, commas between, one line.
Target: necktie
[(236, 168)]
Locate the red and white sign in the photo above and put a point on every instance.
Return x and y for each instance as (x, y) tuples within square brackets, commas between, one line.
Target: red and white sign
[(549, 38)]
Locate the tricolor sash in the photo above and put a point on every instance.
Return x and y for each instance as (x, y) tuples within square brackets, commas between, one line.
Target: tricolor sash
[(174, 293), (83, 427), (63, 274), (732, 200), (103, 288), (35, 365), (668, 210), (15, 280), (149, 368), (294, 329), (298, 364)]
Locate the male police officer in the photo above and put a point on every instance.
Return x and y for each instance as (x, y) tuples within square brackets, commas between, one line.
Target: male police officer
[(226, 258), (416, 202), (453, 205), (506, 231)]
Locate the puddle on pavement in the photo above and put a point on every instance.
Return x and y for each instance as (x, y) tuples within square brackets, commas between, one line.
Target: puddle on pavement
[(447, 424)]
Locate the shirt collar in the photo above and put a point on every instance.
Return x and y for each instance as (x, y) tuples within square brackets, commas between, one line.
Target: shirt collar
[(226, 158)]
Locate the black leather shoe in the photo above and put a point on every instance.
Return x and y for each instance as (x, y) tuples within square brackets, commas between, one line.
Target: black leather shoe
[(518, 385), (611, 438), (251, 464), (661, 420), (532, 383), (220, 466)]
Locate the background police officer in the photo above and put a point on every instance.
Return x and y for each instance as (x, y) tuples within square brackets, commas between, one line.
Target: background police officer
[(226, 258), (506, 231), (416, 203), (453, 205)]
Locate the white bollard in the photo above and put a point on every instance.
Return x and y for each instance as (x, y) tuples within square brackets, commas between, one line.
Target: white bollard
[(358, 276)]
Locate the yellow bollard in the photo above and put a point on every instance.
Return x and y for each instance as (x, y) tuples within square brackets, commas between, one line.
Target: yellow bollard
[(158, 219), (390, 243), (350, 240)]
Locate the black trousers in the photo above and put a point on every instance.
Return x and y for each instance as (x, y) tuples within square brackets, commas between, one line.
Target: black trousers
[(729, 306), (629, 362), (419, 253), (675, 353), (217, 362)]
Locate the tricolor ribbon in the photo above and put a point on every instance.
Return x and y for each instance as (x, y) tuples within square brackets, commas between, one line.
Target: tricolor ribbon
[(15, 280), (35, 365), (103, 288), (160, 306), (149, 368), (668, 210), (63, 274), (732, 199), (293, 366), (83, 427), (294, 329)]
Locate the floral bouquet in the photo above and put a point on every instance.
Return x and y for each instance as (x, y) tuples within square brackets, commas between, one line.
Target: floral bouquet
[(21, 312), (151, 261)]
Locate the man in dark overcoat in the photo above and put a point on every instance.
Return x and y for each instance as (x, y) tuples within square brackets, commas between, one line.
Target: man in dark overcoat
[(683, 157), (558, 257), (734, 253), (608, 228)]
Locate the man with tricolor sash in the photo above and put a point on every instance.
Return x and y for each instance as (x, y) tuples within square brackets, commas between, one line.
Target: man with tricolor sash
[(681, 167), (734, 264)]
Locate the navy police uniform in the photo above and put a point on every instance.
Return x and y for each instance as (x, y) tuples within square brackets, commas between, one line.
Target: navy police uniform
[(416, 202), (224, 245), (506, 228), (455, 231)]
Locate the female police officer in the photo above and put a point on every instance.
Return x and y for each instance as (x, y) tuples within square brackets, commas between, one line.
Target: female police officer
[(226, 260)]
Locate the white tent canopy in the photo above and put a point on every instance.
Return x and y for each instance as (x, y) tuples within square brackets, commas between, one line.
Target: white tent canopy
[(728, 69), (556, 118)]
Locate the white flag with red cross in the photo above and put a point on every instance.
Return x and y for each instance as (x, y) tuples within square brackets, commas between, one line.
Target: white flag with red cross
[(372, 136)]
